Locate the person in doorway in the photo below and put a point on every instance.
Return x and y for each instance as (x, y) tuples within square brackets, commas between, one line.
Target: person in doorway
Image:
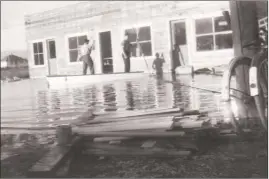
[(158, 64), (85, 57), (126, 53), (175, 58)]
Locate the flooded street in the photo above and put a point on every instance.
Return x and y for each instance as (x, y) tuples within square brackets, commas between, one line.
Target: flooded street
[(32, 102)]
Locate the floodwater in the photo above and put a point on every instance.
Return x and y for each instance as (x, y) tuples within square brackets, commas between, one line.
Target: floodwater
[(30, 103)]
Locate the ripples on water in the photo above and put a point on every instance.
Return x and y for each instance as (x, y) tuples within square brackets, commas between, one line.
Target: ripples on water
[(32, 102)]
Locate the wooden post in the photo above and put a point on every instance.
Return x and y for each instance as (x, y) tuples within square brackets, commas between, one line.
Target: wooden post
[(63, 134), (244, 25)]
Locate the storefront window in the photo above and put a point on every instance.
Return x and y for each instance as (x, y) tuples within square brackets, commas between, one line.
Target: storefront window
[(74, 44), (213, 34), (143, 37), (38, 53)]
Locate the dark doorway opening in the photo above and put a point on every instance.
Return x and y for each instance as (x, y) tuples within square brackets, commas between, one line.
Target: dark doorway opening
[(106, 52)]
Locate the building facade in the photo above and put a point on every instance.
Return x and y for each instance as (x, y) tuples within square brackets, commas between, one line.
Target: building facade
[(198, 27)]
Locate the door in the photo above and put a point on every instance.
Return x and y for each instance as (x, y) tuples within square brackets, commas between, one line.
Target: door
[(178, 32), (52, 59), (106, 52)]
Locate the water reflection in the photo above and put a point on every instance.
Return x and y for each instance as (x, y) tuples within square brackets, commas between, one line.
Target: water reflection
[(42, 102), (109, 98), (123, 95), (129, 96)]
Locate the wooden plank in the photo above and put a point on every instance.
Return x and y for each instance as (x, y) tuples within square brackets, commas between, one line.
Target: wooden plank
[(85, 132), (130, 151), (188, 124), (165, 122), (48, 165), (131, 121), (107, 139), (112, 119), (148, 144), (138, 113)]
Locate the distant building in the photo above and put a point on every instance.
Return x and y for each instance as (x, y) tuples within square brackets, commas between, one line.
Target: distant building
[(13, 61), (54, 36)]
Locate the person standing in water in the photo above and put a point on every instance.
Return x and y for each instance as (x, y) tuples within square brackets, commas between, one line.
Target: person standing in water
[(85, 56), (175, 58), (158, 64), (126, 53)]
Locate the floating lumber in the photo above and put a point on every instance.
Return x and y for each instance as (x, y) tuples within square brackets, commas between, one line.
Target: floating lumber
[(50, 163), (115, 119), (138, 134), (188, 124), (128, 151), (107, 139), (148, 144), (139, 113), (165, 122)]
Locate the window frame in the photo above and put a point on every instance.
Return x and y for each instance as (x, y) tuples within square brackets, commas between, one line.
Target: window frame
[(151, 40), (33, 53), (213, 33), (67, 46)]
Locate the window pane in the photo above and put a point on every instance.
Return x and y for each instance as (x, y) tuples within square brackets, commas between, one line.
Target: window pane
[(73, 55), (40, 47), (73, 43), (203, 26), (205, 43), (144, 33), (132, 34), (81, 39), (36, 59), (41, 59), (133, 50), (146, 48), (35, 47), (221, 24), (52, 49), (224, 41)]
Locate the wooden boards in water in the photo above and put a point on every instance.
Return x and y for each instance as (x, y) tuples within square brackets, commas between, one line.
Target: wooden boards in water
[(143, 123)]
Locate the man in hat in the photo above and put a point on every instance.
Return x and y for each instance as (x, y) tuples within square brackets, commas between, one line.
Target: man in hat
[(126, 52), (85, 56)]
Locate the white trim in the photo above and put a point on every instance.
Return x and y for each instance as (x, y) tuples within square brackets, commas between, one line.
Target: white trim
[(66, 37), (208, 15), (184, 19), (213, 52), (32, 53), (213, 33), (99, 48), (48, 59)]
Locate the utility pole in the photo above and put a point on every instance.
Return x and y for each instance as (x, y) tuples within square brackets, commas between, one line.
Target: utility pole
[(244, 25)]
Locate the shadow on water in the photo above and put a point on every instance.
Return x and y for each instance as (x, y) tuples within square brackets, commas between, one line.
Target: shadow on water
[(151, 92)]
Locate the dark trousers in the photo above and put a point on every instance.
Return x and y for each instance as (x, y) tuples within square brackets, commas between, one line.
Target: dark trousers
[(87, 62), (126, 64)]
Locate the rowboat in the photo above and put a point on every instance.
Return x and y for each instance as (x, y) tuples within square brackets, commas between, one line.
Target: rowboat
[(59, 80)]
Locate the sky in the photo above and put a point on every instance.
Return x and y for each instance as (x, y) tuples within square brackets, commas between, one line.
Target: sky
[(12, 20)]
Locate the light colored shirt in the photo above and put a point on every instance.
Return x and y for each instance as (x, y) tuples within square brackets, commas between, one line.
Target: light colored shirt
[(85, 50)]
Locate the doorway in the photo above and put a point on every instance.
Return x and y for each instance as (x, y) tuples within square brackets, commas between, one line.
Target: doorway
[(52, 59), (106, 52), (179, 37)]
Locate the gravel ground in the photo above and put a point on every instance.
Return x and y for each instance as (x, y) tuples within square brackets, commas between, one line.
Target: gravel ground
[(240, 159)]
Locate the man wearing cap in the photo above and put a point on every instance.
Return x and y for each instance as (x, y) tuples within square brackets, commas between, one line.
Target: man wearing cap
[(126, 53), (85, 56)]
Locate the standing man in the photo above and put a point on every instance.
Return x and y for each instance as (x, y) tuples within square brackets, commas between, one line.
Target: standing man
[(85, 56), (126, 53), (175, 58)]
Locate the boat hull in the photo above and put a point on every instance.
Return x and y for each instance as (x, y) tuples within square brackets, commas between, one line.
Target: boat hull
[(60, 80)]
